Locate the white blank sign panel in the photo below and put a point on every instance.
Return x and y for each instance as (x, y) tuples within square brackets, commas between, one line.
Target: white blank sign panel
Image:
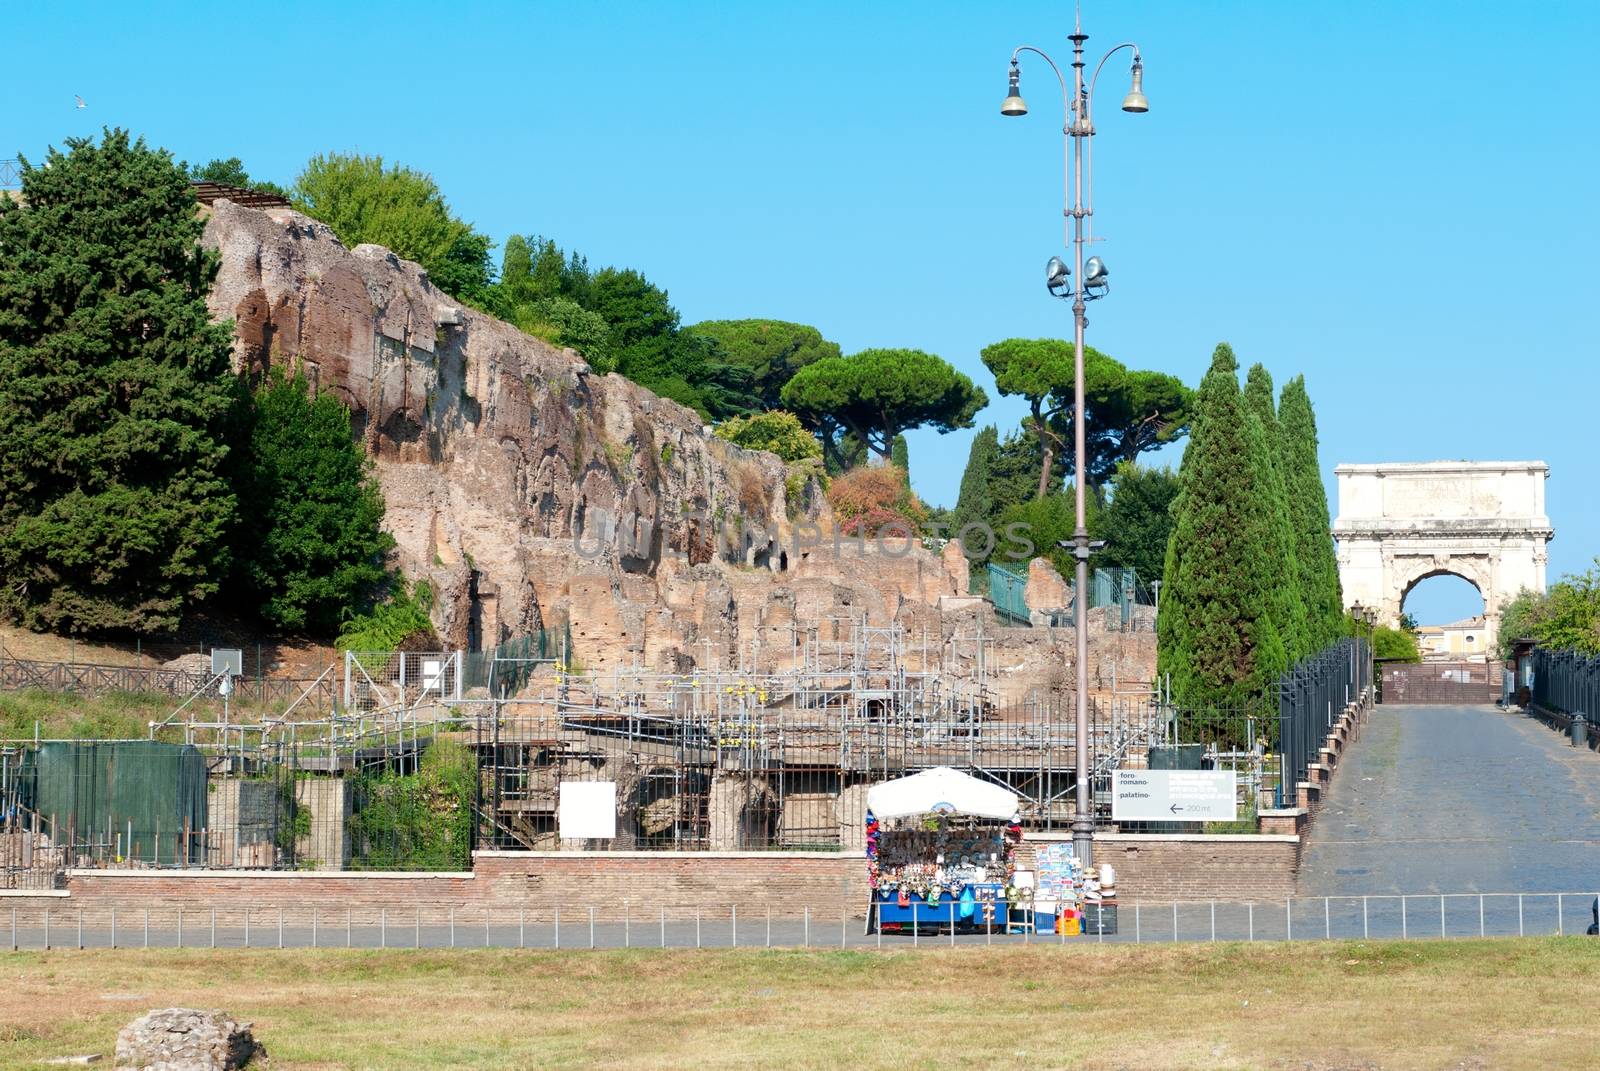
[(588, 809)]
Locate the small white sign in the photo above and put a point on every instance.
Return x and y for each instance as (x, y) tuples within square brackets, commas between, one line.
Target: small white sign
[(1174, 796), (587, 809), (433, 675)]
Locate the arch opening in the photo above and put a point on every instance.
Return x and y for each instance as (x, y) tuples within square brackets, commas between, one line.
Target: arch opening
[(1448, 612)]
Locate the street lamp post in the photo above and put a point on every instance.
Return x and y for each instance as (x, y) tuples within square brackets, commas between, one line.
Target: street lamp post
[(1092, 283)]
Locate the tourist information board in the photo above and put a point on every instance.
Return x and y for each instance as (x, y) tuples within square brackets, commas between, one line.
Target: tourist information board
[(1174, 796)]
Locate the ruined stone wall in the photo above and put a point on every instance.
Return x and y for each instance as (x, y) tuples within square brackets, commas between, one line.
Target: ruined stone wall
[(530, 491)]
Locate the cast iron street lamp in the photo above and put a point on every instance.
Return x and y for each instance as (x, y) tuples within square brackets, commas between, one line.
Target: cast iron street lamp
[(1092, 283)]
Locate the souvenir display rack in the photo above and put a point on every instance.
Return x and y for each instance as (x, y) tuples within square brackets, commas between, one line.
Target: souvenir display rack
[(940, 871)]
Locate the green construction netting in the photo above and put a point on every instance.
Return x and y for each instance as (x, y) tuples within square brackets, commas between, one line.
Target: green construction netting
[(150, 794)]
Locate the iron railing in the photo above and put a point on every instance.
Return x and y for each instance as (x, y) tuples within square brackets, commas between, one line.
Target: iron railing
[(1311, 697), (1566, 681)]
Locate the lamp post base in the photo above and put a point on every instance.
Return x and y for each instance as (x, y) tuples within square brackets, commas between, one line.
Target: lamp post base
[(1083, 840)]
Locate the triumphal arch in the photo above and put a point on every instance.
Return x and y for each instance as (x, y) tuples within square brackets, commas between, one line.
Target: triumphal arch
[(1399, 524)]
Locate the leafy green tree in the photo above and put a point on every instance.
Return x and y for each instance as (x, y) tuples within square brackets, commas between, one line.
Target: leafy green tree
[(1127, 412), (115, 391), (1394, 645), (312, 545), (1041, 371), (1216, 634), (1134, 411), (1045, 523), (779, 432), (1015, 469), (771, 350), (399, 208), (652, 351), (231, 172), (880, 393), (1315, 559), (1288, 605), (1137, 522), (1565, 617)]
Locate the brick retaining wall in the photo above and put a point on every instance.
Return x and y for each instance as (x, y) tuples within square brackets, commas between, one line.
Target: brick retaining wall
[(1149, 867)]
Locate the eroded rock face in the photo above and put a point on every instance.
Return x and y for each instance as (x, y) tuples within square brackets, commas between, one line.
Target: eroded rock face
[(526, 488), (530, 491), (185, 1039)]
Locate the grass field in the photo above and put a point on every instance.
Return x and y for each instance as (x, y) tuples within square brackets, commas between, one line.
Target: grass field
[(1440, 1004)]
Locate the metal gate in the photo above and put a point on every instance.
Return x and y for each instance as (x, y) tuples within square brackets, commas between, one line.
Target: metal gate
[(1441, 682)]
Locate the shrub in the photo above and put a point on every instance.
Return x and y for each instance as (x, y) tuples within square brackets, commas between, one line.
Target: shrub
[(403, 616), (777, 432), (868, 499)]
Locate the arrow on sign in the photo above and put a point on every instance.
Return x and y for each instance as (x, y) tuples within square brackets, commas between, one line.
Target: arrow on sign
[(1174, 808)]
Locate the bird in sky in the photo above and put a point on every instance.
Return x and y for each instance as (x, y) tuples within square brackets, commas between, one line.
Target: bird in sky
[(79, 99)]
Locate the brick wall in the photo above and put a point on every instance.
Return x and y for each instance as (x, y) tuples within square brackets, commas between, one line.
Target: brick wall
[(1149, 868)]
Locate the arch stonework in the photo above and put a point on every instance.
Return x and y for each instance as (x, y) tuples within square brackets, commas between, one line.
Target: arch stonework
[(1400, 523)]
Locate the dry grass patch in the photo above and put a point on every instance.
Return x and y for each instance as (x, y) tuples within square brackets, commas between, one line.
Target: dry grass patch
[(1456, 1004)]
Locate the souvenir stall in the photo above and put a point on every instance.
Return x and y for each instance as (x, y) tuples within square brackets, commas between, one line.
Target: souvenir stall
[(940, 853)]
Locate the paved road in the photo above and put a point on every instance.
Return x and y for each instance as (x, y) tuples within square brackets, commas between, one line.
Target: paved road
[(1457, 799)]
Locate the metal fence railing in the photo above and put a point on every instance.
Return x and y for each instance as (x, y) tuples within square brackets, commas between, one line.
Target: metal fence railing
[(601, 923), (1311, 697), (1567, 681), (1006, 594)]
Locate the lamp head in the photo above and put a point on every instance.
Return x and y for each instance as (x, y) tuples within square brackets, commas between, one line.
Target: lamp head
[(1014, 104), (1096, 281), (1135, 100), (1058, 277)]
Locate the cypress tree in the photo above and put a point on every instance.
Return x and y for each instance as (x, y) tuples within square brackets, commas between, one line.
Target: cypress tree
[(1216, 634), (114, 392), (313, 546), (1308, 496), (1289, 610), (975, 504), (900, 455)]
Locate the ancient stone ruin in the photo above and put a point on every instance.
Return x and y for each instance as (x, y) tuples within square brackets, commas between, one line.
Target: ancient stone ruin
[(185, 1039)]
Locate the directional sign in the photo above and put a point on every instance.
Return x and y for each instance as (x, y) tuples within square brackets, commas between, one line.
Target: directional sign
[(1174, 796)]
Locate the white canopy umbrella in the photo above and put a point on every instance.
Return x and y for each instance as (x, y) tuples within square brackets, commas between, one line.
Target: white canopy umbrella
[(941, 789)]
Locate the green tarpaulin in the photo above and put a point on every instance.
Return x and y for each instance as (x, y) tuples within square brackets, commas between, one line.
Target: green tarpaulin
[(145, 797)]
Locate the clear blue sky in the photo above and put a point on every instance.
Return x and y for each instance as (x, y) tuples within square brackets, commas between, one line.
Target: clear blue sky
[(1395, 199)]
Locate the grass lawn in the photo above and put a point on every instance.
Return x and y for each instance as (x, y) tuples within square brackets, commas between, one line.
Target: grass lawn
[(1439, 1004)]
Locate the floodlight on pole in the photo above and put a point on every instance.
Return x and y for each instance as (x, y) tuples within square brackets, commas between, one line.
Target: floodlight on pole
[(1058, 278)]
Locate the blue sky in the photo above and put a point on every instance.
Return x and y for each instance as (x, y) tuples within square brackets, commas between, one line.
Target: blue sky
[(1396, 200)]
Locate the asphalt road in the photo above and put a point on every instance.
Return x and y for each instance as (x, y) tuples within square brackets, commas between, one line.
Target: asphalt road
[(1457, 799)]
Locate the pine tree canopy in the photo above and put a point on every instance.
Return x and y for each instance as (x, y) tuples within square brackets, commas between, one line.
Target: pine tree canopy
[(114, 392), (1216, 632)]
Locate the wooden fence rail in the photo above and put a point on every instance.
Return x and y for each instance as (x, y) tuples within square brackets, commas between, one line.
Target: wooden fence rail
[(91, 680)]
